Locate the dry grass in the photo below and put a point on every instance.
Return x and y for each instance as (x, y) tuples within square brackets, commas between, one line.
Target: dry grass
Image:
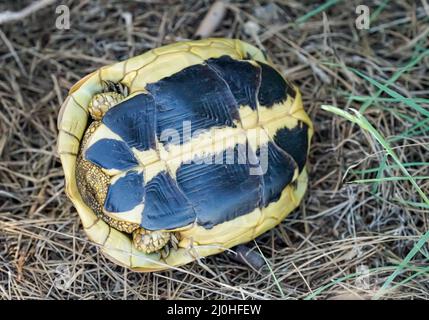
[(350, 235)]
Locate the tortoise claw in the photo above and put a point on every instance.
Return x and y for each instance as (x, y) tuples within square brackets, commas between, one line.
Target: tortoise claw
[(174, 241), (165, 251), (116, 87), (174, 245)]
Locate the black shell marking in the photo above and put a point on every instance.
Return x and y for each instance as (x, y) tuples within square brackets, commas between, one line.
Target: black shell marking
[(242, 77), (294, 142), (274, 89), (126, 193), (166, 207), (111, 154), (134, 121), (278, 175), (195, 94), (220, 192)]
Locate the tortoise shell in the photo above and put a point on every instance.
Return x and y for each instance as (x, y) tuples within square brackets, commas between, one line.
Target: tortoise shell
[(210, 142)]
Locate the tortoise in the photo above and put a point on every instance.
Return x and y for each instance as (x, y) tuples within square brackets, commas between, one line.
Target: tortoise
[(183, 152)]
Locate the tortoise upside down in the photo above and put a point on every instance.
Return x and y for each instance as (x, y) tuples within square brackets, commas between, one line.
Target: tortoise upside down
[(183, 152)]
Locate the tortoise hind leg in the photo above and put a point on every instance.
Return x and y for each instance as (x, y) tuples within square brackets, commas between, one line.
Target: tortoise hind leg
[(245, 255)]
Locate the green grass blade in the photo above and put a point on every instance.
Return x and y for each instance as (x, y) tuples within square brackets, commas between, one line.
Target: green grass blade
[(319, 9), (419, 205), (409, 102), (395, 77), (378, 99), (390, 166), (377, 180), (380, 172), (377, 11), (419, 128)]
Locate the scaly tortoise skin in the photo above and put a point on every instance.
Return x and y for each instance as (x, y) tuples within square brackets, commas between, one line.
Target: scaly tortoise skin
[(123, 177)]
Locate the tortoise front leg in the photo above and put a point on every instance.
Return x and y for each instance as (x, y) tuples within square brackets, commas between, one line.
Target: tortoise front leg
[(154, 241), (102, 102)]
